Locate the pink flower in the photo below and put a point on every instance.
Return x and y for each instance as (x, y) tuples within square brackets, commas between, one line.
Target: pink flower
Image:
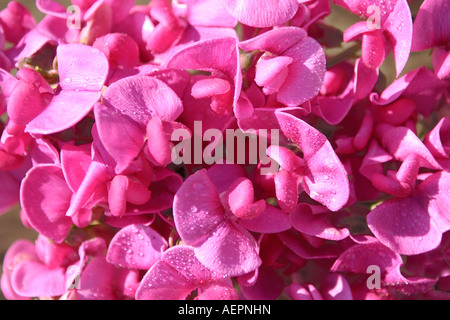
[(178, 273), (254, 13), (431, 30), (291, 59)]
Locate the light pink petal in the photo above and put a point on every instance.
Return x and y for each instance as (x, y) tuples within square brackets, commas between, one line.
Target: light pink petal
[(355, 31), (405, 226), (112, 45), (240, 194), (271, 73), (50, 7), (45, 197), (271, 220), (75, 161), (286, 190), (162, 282), (327, 180), (230, 250), (320, 225), (435, 198), (401, 141), (306, 72), (276, 41), (197, 209), (136, 247), (262, 13), (64, 111), (33, 279), (142, 97), (16, 21), (209, 13)]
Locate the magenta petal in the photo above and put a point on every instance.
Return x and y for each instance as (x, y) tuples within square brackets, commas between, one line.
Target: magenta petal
[(64, 111), (197, 209), (286, 189), (327, 180), (316, 224), (441, 63), (230, 250), (95, 281), (405, 226), (271, 220), (336, 287), (122, 137), (218, 291), (136, 247), (142, 97), (255, 13), (431, 27), (209, 13), (45, 197), (33, 279), (75, 161), (436, 140)]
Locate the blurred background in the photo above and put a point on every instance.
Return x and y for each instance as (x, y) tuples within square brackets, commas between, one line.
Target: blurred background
[(11, 227)]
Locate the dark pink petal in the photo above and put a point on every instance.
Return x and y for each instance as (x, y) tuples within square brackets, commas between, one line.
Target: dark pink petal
[(431, 27), (10, 191), (336, 287), (255, 13), (45, 197), (359, 257), (218, 291), (441, 63), (268, 286), (136, 247), (34, 279), (95, 280), (224, 175), (327, 180), (320, 225)]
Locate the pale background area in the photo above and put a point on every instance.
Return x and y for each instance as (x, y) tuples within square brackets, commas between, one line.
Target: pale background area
[(11, 228)]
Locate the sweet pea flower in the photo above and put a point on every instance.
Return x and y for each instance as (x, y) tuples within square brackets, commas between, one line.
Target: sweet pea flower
[(391, 27), (431, 30), (178, 273), (255, 13), (291, 60)]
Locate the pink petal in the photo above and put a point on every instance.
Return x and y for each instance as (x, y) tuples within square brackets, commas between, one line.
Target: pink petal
[(209, 13), (327, 181), (436, 140), (33, 279), (254, 12), (441, 63), (121, 136), (45, 197), (75, 161), (399, 31), (95, 280), (373, 52), (230, 250), (268, 286), (286, 190), (336, 287), (320, 225), (197, 209), (271, 220), (218, 291), (136, 247), (431, 27)]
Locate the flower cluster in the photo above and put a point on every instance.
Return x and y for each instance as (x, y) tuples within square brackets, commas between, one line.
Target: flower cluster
[(357, 206)]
